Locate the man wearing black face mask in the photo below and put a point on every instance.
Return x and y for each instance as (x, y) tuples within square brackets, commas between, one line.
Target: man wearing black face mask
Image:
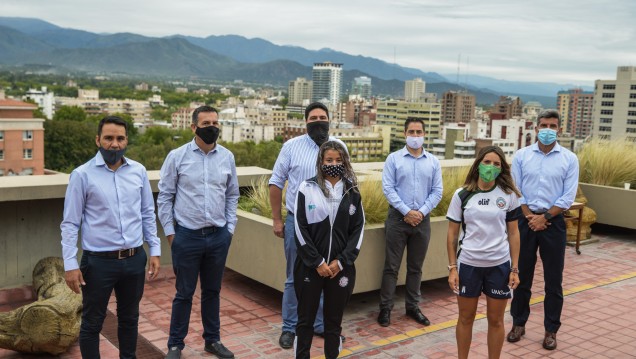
[(110, 200), (198, 196), (296, 162)]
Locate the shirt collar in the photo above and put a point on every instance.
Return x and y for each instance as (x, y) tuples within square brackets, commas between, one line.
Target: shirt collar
[(405, 152), (194, 147), (556, 148)]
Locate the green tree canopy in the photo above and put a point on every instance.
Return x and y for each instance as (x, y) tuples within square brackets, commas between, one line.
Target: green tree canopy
[(70, 113), (68, 144)]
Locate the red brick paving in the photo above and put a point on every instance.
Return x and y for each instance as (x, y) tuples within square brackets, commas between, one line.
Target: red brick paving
[(599, 321)]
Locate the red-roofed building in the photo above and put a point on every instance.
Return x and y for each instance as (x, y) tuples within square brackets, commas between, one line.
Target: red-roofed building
[(21, 139)]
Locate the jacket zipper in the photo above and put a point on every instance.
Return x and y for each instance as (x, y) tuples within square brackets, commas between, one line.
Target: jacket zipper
[(331, 222)]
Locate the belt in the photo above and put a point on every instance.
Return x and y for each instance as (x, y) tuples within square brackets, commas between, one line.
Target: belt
[(204, 230), (121, 254)]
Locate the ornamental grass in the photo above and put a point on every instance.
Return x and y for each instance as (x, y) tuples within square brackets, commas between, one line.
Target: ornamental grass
[(608, 163), (453, 178)]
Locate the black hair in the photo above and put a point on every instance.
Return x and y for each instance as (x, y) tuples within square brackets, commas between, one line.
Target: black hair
[(111, 119), (348, 174), (204, 108), (410, 120), (315, 105), (548, 114)]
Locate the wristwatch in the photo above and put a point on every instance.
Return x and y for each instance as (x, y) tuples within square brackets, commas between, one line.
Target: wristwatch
[(547, 216)]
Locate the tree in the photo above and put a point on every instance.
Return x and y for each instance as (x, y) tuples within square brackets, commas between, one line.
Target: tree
[(68, 144), (70, 113)]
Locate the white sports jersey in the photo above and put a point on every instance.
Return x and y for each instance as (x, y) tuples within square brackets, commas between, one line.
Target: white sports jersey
[(484, 241)]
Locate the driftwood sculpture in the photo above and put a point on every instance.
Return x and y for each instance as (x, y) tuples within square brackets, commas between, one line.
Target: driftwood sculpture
[(49, 325)]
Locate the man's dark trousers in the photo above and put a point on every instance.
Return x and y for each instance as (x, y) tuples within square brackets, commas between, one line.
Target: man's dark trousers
[(102, 275), (195, 253), (551, 245)]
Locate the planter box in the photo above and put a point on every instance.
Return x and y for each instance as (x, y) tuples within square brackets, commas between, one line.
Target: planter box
[(258, 254), (613, 205)]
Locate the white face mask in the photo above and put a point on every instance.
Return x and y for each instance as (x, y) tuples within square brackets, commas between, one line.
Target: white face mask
[(414, 142)]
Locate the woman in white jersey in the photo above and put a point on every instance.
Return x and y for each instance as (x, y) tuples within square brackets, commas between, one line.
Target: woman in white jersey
[(486, 208)]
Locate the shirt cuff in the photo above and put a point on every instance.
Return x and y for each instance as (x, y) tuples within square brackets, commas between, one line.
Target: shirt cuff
[(339, 265), (70, 264), (168, 230), (155, 251), (404, 209), (323, 261)]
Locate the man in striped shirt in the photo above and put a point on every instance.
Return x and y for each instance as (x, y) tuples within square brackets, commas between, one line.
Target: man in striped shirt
[(296, 163)]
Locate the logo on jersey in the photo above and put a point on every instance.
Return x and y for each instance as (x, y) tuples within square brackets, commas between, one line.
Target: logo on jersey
[(484, 201), (352, 210), (501, 203), (312, 207), (343, 281)]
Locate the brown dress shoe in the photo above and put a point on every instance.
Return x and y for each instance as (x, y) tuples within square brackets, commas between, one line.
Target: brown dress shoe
[(549, 342), (516, 333)]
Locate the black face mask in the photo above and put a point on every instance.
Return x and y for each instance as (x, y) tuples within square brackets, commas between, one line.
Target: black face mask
[(318, 131), (333, 170), (209, 134), (112, 157)]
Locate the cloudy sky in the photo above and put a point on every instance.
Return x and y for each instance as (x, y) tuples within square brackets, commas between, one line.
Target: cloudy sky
[(563, 41)]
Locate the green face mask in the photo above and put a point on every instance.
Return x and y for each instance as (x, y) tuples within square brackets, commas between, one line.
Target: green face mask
[(488, 173)]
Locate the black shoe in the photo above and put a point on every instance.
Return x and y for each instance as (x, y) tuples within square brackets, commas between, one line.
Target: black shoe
[(418, 316), (384, 318), (174, 353), (286, 340), (219, 350)]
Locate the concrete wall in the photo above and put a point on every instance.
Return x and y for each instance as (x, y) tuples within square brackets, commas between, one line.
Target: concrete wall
[(258, 254), (613, 205)]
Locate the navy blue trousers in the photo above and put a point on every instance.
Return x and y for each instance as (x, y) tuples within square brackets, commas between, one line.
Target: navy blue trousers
[(551, 245), (102, 276), (198, 254)]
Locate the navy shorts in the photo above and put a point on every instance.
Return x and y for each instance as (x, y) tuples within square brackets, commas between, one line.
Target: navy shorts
[(492, 281)]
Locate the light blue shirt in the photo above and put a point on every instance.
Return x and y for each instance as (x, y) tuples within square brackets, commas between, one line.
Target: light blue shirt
[(296, 162), (546, 180), (198, 190), (114, 209), (412, 183)]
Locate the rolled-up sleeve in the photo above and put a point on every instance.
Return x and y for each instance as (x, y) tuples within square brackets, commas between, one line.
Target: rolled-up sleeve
[(167, 191)]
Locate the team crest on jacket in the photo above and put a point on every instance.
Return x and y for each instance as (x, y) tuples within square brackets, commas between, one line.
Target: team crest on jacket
[(501, 203), (352, 210), (343, 281)]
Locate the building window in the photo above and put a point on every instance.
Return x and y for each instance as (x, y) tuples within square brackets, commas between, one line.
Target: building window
[(606, 120), (609, 87), (605, 129), (27, 135), (632, 104), (631, 122), (632, 87), (1, 135), (632, 95), (631, 113), (631, 130), (608, 95), (1, 155), (26, 172), (607, 103), (28, 153), (607, 112)]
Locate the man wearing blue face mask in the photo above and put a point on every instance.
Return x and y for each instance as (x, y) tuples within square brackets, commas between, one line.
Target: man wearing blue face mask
[(198, 197), (412, 184), (547, 176), (110, 200)]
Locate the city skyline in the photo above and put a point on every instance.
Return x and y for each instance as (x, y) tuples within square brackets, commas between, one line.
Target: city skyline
[(566, 42)]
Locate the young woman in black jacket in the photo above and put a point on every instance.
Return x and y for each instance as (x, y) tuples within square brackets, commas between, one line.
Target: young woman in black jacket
[(329, 230)]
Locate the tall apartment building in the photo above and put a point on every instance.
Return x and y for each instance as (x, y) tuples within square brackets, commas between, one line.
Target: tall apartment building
[(614, 108), (414, 89), (457, 107), (21, 139), (327, 82), (44, 99), (91, 103), (299, 91), (394, 113), (361, 86), (507, 107), (575, 110)]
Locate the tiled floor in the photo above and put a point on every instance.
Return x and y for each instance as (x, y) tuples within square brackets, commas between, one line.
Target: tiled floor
[(599, 316)]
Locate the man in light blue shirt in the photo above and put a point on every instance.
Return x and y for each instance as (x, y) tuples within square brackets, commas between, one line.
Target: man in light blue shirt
[(198, 197), (296, 163), (110, 200), (547, 176), (412, 184)]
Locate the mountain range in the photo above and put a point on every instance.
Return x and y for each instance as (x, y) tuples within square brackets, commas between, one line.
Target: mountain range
[(226, 58)]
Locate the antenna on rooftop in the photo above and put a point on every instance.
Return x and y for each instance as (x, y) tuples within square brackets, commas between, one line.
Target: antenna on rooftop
[(459, 59)]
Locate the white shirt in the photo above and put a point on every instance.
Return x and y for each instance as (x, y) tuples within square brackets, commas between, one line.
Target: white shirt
[(484, 242)]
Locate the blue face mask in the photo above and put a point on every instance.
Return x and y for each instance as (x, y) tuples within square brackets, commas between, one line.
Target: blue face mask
[(547, 136)]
